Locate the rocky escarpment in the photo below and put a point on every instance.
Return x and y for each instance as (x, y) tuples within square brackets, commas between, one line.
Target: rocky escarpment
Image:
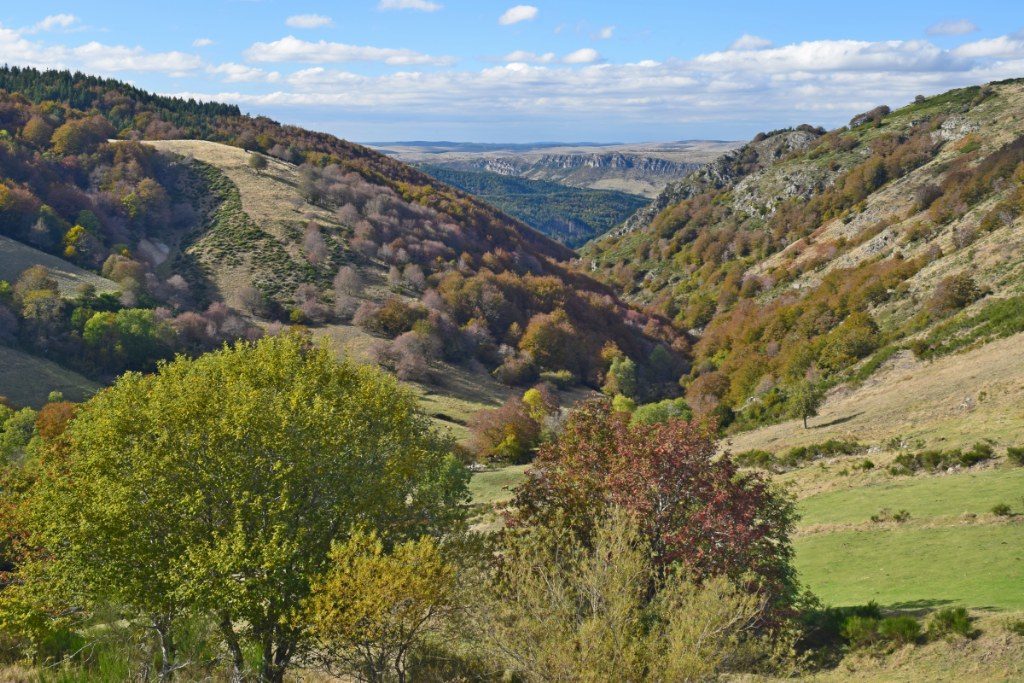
[(731, 168)]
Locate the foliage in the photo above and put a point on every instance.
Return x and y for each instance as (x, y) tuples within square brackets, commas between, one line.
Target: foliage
[(994, 319), (1015, 454), (662, 411), (513, 431), (951, 621), (933, 460), (559, 609), (570, 215), (372, 608), (805, 400), (217, 486), (1002, 510), (695, 509)]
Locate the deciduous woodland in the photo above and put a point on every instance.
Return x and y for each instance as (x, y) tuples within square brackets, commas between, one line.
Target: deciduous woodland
[(274, 406)]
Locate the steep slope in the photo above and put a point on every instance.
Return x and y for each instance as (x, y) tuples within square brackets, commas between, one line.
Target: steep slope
[(284, 225), (900, 231), (570, 215), (15, 257)]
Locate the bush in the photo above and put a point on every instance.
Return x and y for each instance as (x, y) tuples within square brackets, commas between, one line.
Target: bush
[(935, 460), (754, 458), (887, 515), (1015, 454), (899, 631), (860, 631), (951, 621), (1002, 510)]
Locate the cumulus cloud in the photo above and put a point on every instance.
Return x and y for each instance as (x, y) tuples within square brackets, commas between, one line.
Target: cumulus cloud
[(815, 81), (292, 49), (240, 73), (959, 27), (606, 33), (749, 42), (513, 15), (1001, 47), (529, 57), (585, 55), (308, 21), (202, 42), (421, 5), (17, 48)]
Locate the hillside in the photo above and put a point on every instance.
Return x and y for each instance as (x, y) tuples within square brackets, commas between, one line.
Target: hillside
[(639, 169), (571, 215), (813, 256), (216, 225)]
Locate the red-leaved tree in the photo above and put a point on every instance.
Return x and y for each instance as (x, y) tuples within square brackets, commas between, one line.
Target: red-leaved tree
[(697, 509)]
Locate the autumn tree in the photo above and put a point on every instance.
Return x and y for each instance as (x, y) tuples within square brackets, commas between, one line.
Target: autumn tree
[(217, 486), (696, 509), (373, 607), (257, 162)]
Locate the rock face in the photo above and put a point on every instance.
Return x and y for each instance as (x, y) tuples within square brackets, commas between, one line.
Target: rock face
[(641, 169), (727, 169)]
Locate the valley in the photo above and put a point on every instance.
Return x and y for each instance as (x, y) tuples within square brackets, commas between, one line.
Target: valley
[(792, 367)]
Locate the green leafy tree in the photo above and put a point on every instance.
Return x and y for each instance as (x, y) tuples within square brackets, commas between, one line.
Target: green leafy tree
[(218, 485), (372, 607), (805, 399)]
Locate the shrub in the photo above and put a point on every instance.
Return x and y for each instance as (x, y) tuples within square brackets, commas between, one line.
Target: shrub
[(953, 293), (951, 621), (860, 631), (887, 515), (899, 631), (1002, 510), (1016, 627), (754, 458), (1015, 454)]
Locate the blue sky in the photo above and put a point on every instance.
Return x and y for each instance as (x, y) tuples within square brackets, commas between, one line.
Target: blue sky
[(480, 70)]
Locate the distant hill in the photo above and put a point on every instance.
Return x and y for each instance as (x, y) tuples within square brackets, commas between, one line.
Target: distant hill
[(640, 169), (570, 215)]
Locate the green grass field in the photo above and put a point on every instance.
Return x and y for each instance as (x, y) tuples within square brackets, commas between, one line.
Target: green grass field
[(27, 380), (952, 550), (978, 566), (923, 496)]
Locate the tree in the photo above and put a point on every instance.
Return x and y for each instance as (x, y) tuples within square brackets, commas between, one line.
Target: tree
[(621, 378), (805, 399), (695, 509), (559, 609), (372, 607), (218, 485), (257, 162)]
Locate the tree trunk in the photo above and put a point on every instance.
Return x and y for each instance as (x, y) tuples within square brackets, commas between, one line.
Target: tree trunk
[(805, 422), (231, 638)]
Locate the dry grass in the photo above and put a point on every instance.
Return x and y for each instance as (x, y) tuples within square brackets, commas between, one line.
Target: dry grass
[(950, 402), (15, 257)]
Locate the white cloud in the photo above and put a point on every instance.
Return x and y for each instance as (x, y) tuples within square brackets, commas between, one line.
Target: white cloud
[(240, 73), (55, 21), (202, 42), (749, 42), (606, 33), (959, 27), (818, 81), (529, 57), (584, 55), (421, 5), (292, 49), (308, 21), (514, 15), (1001, 47), (93, 56)]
